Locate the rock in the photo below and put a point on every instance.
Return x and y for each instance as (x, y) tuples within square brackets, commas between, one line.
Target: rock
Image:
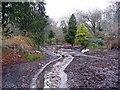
[(19, 56), (37, 52), (85, 50)]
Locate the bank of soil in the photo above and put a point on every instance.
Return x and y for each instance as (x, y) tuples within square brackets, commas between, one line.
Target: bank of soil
[(19, 75), (89, 72)]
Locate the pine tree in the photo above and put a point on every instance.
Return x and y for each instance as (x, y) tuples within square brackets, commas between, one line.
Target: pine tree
[(82, 35), (70, 36)]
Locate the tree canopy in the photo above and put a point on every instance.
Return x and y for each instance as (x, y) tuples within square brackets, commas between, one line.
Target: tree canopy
[(29, 17)]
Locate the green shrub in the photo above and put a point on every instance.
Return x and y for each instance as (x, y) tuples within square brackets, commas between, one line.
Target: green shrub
[(33, 56), (99, 42), (51, 41), (92, 45)]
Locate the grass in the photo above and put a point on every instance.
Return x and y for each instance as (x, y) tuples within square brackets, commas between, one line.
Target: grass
[(33, 56)]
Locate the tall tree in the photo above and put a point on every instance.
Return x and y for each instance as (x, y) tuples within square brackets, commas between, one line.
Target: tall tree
[(37, 26), (72, 27), (63, 26), (30, 17), (93, 20), (109, 21)]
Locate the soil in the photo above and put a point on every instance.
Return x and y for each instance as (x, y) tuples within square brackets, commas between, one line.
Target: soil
[(82, 72), (10, 56), (18, 73), (88, 72)]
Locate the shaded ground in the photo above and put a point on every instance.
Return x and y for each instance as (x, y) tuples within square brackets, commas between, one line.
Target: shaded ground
[(19, 75), (88, 72)]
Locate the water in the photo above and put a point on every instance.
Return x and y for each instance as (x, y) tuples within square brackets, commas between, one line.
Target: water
[(56, 77), (53, 75)]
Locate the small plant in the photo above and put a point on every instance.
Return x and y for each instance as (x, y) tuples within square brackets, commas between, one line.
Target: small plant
[(92, 45), (99, 42)]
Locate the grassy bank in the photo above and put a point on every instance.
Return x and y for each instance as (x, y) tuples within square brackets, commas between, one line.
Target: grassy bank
[(34, 56)]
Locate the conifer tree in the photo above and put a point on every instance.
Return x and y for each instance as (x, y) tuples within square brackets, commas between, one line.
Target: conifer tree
[(72, 27), (82, 35)]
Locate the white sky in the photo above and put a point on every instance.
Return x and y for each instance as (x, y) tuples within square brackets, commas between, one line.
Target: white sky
[(59, 8)]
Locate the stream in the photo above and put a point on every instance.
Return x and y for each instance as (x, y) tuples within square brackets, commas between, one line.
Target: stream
[(53, 75), (56, 77)]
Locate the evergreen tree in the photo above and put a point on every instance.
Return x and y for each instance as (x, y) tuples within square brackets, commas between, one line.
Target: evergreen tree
[(70, 36), (30, 17), (82, 35), (51, 34)]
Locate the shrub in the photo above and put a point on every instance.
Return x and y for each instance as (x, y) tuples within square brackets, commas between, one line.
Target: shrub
[(99, 42), (51, 41)]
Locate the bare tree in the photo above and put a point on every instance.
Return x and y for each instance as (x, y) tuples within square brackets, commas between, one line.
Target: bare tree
[(110, 19), (100, 22), (79, 17), (93, 20)]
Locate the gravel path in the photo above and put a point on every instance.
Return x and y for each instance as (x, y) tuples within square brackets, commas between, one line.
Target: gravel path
[(90, 72), (20, 75)]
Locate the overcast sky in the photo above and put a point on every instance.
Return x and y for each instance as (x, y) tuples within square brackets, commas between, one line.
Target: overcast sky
[(59, 8)]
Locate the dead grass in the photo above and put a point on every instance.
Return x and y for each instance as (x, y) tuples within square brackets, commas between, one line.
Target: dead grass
[(23, 42)]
